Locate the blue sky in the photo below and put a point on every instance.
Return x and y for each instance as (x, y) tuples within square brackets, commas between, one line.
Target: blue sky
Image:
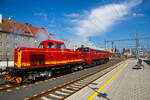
[(92, 19)]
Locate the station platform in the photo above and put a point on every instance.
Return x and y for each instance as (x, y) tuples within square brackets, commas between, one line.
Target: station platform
[(122, 83)]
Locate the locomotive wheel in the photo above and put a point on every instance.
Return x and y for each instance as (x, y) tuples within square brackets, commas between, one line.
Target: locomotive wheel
[(49, 74), (75, 68), (72, 69), (80, 67)]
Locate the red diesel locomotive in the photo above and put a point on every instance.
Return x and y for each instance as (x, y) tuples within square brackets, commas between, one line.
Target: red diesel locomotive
[(51, 56)]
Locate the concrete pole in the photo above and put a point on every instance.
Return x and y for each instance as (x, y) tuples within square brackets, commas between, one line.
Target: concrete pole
[(137, 44), (105, 43)]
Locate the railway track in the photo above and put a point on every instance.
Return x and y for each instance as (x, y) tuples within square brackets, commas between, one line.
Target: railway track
[(65, 90), (10, 87), (7, 87)]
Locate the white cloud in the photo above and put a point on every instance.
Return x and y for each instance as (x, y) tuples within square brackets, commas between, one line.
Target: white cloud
[(101, 19), (138, 15), (72, 15)]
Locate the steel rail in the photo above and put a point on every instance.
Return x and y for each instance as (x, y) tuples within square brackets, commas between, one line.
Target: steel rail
[(59, 88), (3, 87)]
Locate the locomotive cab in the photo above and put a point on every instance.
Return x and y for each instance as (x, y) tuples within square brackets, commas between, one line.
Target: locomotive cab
[(51, 44), (86, 53), (84, 49)]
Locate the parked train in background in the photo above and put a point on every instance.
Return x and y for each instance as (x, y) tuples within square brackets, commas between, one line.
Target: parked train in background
[(50, 57)]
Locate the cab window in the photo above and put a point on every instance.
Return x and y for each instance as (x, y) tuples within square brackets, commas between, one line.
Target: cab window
[(79, 49), (86, 50), (60, 46), (50, 45), (41, 45)]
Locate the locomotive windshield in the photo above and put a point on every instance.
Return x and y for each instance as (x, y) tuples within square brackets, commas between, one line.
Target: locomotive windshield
[(86, 50), (50, 45), (41, 45), (83, 49), (79, 49), (60, 46)]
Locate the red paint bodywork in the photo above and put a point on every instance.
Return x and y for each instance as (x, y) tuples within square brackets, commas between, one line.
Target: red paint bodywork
[(40, 57), (93, 55)]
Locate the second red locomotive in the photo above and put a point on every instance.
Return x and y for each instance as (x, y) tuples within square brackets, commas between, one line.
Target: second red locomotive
[(52, 56)]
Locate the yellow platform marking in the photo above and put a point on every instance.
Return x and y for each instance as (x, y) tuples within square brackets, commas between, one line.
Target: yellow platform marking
[(105, 84)]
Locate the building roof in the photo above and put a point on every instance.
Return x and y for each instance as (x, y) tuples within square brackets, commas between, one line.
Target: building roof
[(36, 31), (21, 28)]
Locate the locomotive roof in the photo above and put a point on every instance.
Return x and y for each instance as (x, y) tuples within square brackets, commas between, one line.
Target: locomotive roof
[(53, 41), (96, 48)]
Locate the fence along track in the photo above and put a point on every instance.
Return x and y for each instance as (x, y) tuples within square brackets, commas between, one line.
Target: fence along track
[(64, 91)]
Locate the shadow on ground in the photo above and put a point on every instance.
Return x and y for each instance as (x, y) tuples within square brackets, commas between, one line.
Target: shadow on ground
[(147, 61), (101, 95), (137, 67)]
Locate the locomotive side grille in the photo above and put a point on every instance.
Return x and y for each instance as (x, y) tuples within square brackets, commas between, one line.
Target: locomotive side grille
[(37, 59), (33, 59), (41, 59)]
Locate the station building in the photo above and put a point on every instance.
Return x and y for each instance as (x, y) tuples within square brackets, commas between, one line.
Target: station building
[(15, 34)]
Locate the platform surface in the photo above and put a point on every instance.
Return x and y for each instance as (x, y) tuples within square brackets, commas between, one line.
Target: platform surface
[(122, 83)]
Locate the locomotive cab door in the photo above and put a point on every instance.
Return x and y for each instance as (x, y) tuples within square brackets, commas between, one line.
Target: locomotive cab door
[(61, 54), (51, 59), (87, 54)]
